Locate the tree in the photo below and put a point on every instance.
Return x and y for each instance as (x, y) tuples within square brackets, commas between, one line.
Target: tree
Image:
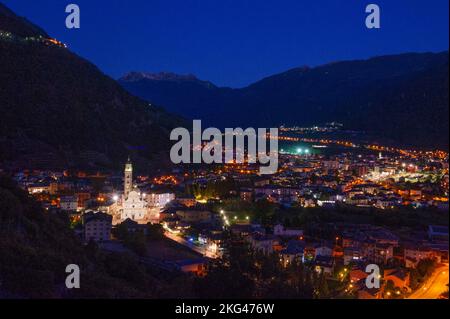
[(155, 231), (426, 267)]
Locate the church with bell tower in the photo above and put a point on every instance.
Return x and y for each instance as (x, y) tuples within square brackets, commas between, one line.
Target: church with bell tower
[(134, 205), (128, 178)]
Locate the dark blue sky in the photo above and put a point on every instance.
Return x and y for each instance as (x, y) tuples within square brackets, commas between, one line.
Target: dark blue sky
[(236, 42)]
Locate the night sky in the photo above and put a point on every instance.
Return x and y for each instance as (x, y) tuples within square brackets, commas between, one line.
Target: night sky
[(237, 42)]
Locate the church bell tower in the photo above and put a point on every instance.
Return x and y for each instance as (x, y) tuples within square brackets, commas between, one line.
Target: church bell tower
[(128, 178)]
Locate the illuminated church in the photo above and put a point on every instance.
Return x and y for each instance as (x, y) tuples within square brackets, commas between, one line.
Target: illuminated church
[(131, 204), (134, 205)]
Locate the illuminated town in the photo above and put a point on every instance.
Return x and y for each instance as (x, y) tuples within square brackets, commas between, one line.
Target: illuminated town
[(365, 190), (323, 173)]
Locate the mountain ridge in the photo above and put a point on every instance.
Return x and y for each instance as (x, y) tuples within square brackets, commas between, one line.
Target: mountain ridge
[(344, 91), (10, 22)]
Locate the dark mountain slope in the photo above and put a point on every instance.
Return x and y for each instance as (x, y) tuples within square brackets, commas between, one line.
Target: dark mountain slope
[(185, 94), (36, 247), (56, 103), (10, 22)]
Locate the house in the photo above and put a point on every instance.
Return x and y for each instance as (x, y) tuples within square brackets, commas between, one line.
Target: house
[(246, 194), (195, 266), (97, 226), (441, 250), (307, 202), (348, 240), (358, 200), (324, 264), (272, 190), (382, 236), (310, 251), (324, 250), (414, 254), (352, 254), (211, 237), (399, 277), (369, 188), (280, 230), (338, 252), (388, 202), (293, 251), (242, 230), (186, 200), (379, 253), (39, 188), (159, 199), (357, 275), (69, 203), (326, 203), (82, 197), (193, 215), (262, 243), (260, 182)]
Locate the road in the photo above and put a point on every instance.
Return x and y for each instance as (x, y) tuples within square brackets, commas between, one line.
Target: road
[(435, 285), (199, 249)]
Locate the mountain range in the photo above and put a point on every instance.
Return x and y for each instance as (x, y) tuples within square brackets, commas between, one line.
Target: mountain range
[(401, 98), (59, 110)]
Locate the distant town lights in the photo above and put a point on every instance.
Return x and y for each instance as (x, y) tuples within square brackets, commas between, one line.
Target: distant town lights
[(301, 151)]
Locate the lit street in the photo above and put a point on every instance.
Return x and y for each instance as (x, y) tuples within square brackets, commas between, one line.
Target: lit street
[(201, 250), (435, 285)]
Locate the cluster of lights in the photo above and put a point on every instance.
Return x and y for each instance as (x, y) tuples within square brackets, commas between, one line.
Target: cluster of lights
[(411, 153), (226, 219), (170, 179), (301, 151), (343, 273)]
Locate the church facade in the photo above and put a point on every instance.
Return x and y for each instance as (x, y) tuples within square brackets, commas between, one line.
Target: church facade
[(135, 205)]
